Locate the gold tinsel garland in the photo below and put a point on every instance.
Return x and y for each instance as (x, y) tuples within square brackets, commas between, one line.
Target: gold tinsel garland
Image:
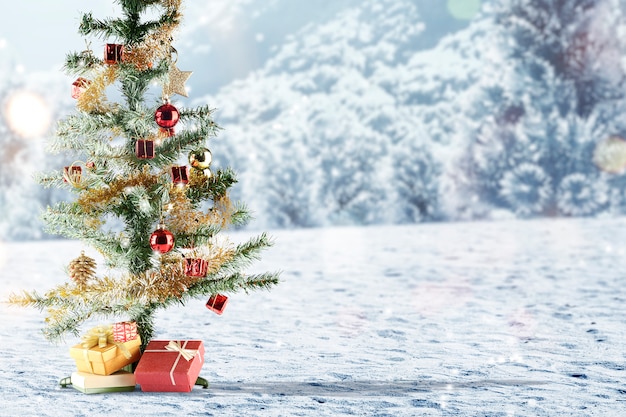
[(173, 5), (184, 218), (93, 98), (153, 286), (170, 281), (98, 198), (155, 47)]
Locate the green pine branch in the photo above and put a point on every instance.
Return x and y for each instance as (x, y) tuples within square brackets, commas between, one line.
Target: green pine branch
[(241, 216), (213, 187), (69, 220), (202, 236), (202, 114), (81, 63), (131, 30), (233, 283), (245, 254)]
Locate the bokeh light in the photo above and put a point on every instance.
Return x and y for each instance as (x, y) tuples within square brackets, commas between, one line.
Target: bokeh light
[(610, 155), (27, 114), (464, 9)]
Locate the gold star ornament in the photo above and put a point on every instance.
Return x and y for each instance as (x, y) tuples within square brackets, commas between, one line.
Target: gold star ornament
[(177, 80)]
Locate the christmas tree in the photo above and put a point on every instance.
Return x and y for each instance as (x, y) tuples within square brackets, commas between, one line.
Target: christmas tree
[(153, 219)]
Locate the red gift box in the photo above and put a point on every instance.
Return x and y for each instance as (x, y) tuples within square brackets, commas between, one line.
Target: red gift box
[(144, 149), (113, 53), (124, 331), (79, 86), (180, 175), (170, 366), (195, 267), (217, 303)]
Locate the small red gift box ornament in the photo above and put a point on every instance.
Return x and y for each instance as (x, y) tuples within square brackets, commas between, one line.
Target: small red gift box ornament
[(180, 175), (113, 53), (217, 303), (72, 174), (144, 149), (195, 267), (124, 331), (166, 116), (79, 86)]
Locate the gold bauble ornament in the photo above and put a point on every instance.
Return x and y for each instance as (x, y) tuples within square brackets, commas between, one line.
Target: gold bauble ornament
[(200, 159)]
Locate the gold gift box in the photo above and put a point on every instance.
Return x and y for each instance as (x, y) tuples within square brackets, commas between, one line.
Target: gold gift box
[(106, 360)]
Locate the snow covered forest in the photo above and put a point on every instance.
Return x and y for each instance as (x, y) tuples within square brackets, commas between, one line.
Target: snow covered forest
[(371, 114)]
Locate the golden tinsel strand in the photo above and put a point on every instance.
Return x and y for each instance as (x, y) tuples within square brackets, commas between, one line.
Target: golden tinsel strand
[(170, 281), (155, 47), (171, 4), (198, 179), (183, 217), (158, 285), (217, 257), (93, 99), (55, 315), (82, 269), (223, 209), (23, 300), (93, 223), (98, 198)]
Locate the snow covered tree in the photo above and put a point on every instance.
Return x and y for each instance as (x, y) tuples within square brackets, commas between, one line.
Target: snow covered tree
[(320, 101), (416, 176), (286, 177), (350, 182), (154, 220), (560, 93), (577, 40)]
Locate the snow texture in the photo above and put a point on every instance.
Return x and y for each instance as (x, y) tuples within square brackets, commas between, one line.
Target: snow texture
[(510, 318)]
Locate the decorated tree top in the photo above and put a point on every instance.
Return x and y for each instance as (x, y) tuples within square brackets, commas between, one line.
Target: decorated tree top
[(153, 218)]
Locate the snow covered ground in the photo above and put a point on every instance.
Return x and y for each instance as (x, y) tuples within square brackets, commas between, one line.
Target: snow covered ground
[(458, 319)]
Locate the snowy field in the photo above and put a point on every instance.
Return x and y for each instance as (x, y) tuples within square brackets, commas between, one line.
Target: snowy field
[(467, 319)]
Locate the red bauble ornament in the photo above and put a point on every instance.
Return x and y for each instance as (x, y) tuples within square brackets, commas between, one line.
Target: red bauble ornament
[(166, 116), (144, 149), (79, 86), (113, 53), (195, 267), (162, 240), (217, 303), (180, 175), (90, 165)]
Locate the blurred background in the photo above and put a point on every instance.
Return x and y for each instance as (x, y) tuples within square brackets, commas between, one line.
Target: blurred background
[(358, 112)]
